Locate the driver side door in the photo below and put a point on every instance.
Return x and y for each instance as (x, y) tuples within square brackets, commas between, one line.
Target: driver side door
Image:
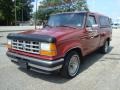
[(92, 32)]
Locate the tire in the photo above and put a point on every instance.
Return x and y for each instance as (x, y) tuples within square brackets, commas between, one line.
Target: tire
[(104, 49), (71, 68)]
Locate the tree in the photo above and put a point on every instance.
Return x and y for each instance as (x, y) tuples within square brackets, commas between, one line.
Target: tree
[(24, 9), (51, 3), (48, 7), (80, 5), (7, 11)]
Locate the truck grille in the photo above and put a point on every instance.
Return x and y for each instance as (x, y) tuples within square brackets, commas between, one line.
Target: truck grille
[(26, 46)]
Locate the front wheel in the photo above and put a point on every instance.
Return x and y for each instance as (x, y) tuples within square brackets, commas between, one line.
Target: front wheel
[(71, 65)]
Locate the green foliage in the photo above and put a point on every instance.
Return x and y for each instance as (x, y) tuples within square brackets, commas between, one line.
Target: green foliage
[(24, 8), (81, 5), (6, 14), (47, 3), (48, 7), (7, 11)]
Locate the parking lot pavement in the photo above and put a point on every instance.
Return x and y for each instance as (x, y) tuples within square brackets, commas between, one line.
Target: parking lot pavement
[(16, 28), (98, 72), (5, 30)]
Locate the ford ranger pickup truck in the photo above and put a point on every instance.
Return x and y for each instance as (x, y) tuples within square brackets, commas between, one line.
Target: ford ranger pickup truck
[(61, 43)]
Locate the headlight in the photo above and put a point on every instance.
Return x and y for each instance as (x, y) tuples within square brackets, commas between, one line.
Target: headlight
[(45, 46), (48, 49), (9, 43)]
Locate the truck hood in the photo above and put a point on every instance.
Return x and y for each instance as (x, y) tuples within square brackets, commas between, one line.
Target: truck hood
[(54, 32), (50, 35)]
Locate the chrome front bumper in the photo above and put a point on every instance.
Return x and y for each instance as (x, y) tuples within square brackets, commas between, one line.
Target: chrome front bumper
[(43, 65)]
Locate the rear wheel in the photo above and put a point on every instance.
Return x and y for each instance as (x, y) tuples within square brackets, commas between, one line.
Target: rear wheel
[(104, 49), (71, 65)]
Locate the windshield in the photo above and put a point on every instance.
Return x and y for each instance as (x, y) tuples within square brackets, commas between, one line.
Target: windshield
[(66, 19)]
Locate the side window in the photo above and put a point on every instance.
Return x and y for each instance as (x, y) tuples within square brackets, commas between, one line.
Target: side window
[(91, 20), (104, 22)]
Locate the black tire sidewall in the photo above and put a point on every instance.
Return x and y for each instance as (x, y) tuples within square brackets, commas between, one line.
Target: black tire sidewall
[(104, 46), (65, 71)]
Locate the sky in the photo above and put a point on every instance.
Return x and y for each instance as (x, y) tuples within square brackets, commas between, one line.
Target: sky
[(110, 8), (34, 4)]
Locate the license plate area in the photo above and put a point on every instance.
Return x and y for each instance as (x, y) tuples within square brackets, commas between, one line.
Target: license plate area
[(23, 64)]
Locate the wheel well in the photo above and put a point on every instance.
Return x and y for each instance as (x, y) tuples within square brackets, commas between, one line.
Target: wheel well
[(78, 50)]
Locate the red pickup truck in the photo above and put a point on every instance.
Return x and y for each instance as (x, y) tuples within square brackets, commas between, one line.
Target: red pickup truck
[(61, 44)]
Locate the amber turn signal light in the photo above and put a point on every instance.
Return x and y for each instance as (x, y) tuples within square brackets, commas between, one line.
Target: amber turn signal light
[(52, 51)]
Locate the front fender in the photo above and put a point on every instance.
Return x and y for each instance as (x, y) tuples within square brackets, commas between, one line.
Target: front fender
[(66, 47)]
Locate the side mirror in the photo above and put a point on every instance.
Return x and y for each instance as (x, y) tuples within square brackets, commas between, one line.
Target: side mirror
[(89, 29), (95, 26), (88, 26)]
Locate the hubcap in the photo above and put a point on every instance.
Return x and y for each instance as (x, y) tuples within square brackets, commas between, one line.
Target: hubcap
[(74, 65)]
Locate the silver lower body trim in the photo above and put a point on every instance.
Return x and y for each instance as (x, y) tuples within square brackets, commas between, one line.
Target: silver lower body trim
[(38, 71), (56, 63), (45, 68), (39, 67), (34, 59)]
